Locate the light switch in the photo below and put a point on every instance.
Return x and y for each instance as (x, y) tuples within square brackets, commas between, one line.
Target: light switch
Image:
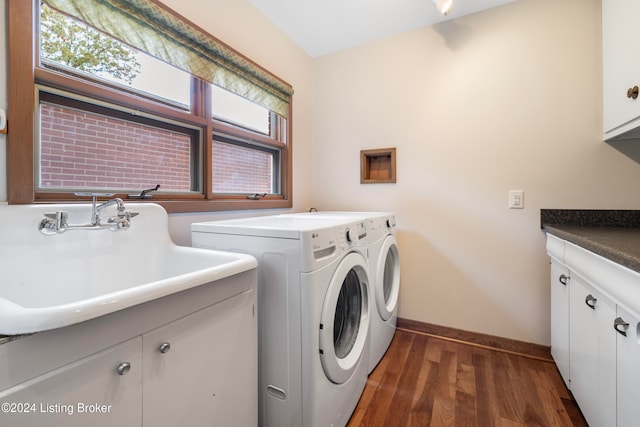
[(516, 199)]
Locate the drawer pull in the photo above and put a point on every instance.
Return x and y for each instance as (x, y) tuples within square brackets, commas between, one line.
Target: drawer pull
[(632, 92), (124, 368), (563, 279), (164, 347), (620, 326), (590, 300)]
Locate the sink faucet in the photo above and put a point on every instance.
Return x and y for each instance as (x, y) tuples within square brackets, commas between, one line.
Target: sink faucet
[(95, 210), (54, 223)]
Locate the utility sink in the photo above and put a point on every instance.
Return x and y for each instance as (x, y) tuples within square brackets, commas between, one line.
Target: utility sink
[(53, 280)]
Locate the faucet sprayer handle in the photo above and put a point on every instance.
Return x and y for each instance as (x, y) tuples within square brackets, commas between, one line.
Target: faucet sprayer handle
[(144, 194)]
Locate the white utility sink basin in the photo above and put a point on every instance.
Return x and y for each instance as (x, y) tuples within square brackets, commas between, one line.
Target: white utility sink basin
[(51, 281)]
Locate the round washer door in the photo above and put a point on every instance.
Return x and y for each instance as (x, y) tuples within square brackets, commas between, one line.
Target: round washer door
[(387, 279), (345, 319)]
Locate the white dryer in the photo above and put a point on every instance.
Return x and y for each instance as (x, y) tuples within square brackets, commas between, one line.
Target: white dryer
[(313, 312), (384, 267), (384, 270)]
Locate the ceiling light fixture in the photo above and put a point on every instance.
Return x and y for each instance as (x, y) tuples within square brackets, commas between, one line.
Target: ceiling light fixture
[(443, 6)]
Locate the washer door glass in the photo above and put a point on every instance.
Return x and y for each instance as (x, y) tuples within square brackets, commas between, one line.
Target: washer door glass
[(347, 318), (387, 286), (344, 325)]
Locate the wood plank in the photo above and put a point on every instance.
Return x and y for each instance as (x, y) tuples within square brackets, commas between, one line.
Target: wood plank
[(427, 381), (380, 402)]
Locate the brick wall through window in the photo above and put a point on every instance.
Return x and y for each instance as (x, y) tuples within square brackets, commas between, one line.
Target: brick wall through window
[(238, 169), (80, 149)]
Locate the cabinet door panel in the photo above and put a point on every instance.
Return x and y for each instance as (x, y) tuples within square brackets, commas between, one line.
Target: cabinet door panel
[(621, 64), (560, 319), (209, 375), (89, 392), (593, 354), (628, 370)]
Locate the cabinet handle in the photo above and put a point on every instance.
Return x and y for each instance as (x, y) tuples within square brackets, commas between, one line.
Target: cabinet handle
[(124, 368), (563, 279), (590, 300), (632, 92), (620, 322), (164, 347)]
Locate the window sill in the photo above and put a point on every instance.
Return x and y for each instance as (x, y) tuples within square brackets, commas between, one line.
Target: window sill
[(187, 206), (221, 205)]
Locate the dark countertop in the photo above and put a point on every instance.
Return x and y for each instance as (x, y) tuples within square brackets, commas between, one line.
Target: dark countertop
[(613, 234), (618, 244)]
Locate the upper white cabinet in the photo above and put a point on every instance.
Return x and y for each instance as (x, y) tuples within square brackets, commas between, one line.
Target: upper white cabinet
[(620, 69)]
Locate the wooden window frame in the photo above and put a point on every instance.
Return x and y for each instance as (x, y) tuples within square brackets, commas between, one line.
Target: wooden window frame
[(24, 73)]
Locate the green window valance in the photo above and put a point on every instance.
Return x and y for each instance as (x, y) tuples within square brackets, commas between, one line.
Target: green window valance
[(149, 27)]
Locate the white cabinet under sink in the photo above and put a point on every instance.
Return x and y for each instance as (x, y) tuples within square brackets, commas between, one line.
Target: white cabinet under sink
[(85, 392), (620, 68), (202, 368), (597, 312), (187, 359)]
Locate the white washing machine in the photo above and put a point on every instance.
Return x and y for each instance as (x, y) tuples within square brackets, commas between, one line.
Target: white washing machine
[(313, 312), (384, 270)]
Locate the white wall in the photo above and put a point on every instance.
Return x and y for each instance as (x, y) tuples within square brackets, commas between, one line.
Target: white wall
[(505, 99)]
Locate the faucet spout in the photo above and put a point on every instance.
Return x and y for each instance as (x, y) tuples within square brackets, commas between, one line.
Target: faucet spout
[(95, 213)]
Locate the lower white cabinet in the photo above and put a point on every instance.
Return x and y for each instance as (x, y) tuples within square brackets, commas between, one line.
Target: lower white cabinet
[(595, 336), (198, 369), (628, 375), (560, 279), (89, 392), (593, 353)]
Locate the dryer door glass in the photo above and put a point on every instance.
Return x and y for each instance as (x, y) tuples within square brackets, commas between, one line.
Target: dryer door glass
[(347, 318), (387, 283), (389, 275)]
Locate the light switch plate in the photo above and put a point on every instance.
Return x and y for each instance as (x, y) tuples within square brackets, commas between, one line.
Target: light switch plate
[(516, 199)]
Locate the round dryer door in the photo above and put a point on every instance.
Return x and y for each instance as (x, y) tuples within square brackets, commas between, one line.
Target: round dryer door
[(387, 286), (345, 319)]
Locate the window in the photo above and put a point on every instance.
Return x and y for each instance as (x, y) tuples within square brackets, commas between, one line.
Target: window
[(113, 117), (86, 147)]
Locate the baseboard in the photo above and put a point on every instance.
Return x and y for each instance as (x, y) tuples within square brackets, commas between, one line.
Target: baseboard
[(521, 348)]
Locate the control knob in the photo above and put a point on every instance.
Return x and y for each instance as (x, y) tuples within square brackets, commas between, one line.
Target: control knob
[(350, 236)]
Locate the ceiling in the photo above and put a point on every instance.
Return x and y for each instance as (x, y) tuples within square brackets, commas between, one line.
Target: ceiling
[(324, 26)]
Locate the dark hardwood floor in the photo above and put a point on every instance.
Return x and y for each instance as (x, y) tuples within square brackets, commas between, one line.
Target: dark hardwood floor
[(428, 381)]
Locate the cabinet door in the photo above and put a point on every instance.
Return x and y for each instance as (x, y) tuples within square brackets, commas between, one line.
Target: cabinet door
[(89, 392), (593, 353), (621, 65), (560, 319), (628, 368), (202, 370)]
